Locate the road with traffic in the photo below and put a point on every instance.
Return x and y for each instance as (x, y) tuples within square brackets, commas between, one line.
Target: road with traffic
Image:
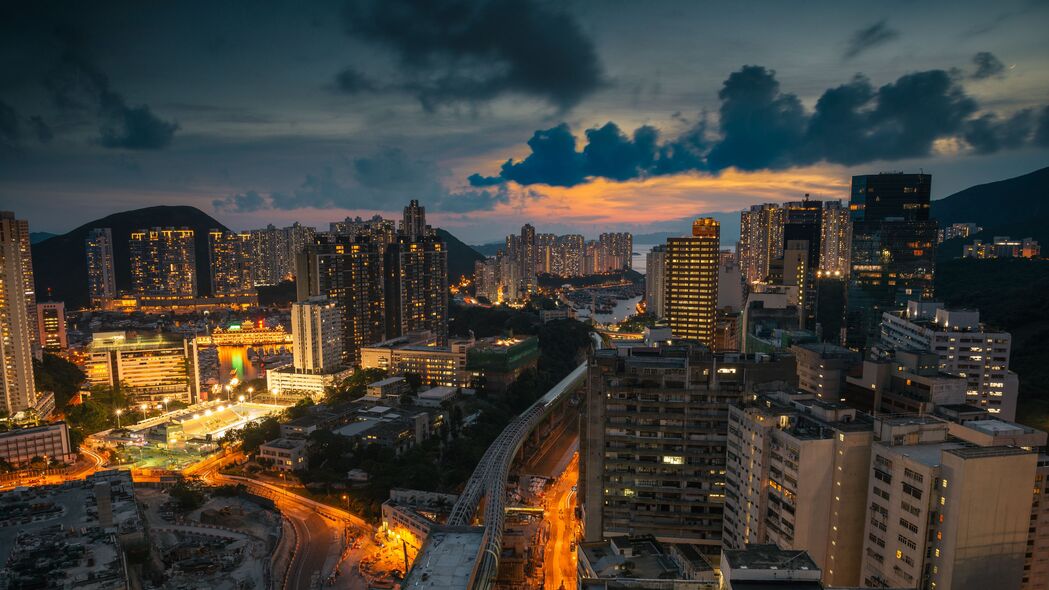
[(559, 567)]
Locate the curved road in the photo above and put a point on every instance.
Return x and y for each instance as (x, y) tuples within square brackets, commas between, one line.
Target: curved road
[(559, 568)]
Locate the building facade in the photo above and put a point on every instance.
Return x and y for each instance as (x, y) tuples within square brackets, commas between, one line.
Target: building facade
[(230, 257), (51, 325), (893, 249), (692, 282), (964, 346), (163, 262), (655, 281), (151, 369), (101, 271), (17, 325), (317, 336), (51, 441), (416, 279)]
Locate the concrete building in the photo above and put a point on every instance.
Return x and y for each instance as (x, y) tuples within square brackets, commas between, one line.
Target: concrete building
[(153, 369), (835, 238), (760, 240), (416, 354), (908, 383), (101, 270), (163, 262), (964, 346), (652, 445), (416, 279), (655, 281), (1003, 247), (1036, 560), (51, 441), (287, 454), (768, 567), (51, 325), (692, 282), (822, 368), (495, 363), (317, 337), (945, 513), (17, 315), (274, 251), (288, 381), (231, 259), (642, 562), (797, 473)]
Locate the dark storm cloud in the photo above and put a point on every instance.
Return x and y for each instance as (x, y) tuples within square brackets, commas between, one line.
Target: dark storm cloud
[(10, 129), (41, 130), (762, 127), (987, 66), (372, 182), (1041, 133), (78, 85), (459, 50), (352, 81), (13, 127), (870, 37)]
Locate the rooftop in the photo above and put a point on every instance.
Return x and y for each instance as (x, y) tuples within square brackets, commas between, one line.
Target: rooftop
[(983, 452), (447, 559), (768, 557)]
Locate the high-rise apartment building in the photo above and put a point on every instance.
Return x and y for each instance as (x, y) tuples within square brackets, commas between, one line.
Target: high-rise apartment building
[(615, 251), (416, 279), (893, 249), (570, 251), (655, 281), (51, 325), (350, 274), (965, 347), (545, 253), (275, 251), (835, 238), (760, 240), (654, 432), (376, 229), (101, 272), (231, 258), (163, 262), (526, 255), (797, 471), (943, 512), (17, 328), (317, 336), (692, 282)]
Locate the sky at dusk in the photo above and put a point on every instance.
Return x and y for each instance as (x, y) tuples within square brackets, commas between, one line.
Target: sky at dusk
[(578, 116)]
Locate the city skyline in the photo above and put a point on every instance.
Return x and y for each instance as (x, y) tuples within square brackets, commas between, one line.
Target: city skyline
[(204, 126)]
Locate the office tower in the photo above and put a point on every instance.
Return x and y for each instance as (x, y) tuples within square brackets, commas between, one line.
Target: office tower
[(830, 289), (835, 238), (350, 274), (416, 284), (101, 273), (965, 347), (944, 513), (163, 263), (151, 369), (230, 256), (275, 251), (317, 336), (51, 325), (893, 249), (692, 281), (17, 333), (760, 240), (797, 471), (654, 431), (615, 251), (655, 281), (803, 221)]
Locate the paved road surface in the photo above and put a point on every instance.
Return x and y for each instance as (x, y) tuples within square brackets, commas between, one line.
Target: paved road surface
[(559, 569)]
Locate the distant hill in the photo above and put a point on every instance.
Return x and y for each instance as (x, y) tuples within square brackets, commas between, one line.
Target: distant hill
[(59, 263), (488, 249), (461, 257), (1016, 207), (35, 237)]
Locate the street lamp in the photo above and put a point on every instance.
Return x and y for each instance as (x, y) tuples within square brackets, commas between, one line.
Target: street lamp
[(251, 390), (119, 412), (166, 400), (228, 390), (240, 398), (144, 407)]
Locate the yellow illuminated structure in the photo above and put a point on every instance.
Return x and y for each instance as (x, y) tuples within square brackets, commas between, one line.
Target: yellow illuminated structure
[(691, 281), (163, 262), (230, 258)]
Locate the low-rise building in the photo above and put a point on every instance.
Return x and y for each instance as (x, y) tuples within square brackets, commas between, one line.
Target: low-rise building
[(822, 368), (642, 562), (495, 363), (288, 380), (390, 388), (51, 325), (768, 566), (50, 441), (287, 454), (436, 396), (416, 354), (154, 368), (908, 383), (1003, 247)]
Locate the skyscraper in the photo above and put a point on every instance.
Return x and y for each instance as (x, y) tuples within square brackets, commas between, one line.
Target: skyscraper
[(835, 239), (317, 336), (615, 251), (655, 280), (893, 249), (416, 279), (275, 251), (760, 240), (163, 262), (526, 259), (17, 332), (231, 259), (692, 281), (349, 273), (101, 273)]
